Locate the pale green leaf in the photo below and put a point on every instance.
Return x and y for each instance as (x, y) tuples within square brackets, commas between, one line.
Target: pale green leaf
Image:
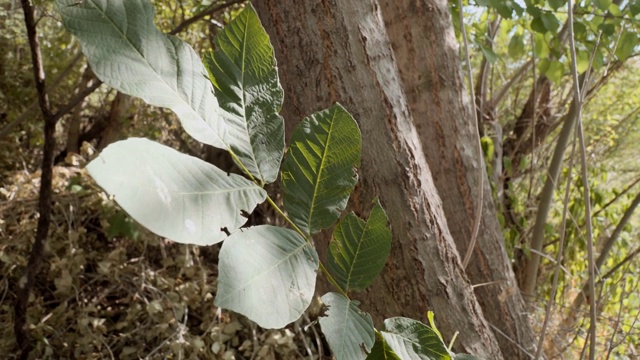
[(359, 250), (319, 171), (348, 330), (172, 194), (245, 78), (411, 339), (128, 52), (268, 274)]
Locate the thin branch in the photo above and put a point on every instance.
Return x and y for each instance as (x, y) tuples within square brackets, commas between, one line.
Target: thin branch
[(628, 258), (25, 115), (626, 190), (546, 195), (585, 180), (478, 215), (212, 9), (606, 249), (514, 79), (77, 99), (25, 283), (556, 272)]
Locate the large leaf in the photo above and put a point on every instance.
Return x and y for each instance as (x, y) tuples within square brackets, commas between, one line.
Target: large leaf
[(128, 52), (172, 194), (359, 250), (245, 78), (319, 171), (348, 330), (268, 274), (413, 340)]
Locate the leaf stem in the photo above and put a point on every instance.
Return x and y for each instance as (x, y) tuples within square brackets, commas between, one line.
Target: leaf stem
[(294, 226), (244, 169), (306, 237), (310, 241)]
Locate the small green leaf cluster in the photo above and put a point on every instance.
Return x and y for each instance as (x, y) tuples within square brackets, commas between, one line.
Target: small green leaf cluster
[(541, 25), (232, 101)]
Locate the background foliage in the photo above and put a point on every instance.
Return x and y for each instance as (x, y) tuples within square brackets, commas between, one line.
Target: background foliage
[(113, 290)]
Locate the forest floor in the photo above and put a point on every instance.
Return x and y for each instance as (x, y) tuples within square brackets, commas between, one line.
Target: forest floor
[(109, 289)]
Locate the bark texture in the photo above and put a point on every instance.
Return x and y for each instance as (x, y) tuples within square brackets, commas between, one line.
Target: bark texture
[(338, 51), (426, 50)]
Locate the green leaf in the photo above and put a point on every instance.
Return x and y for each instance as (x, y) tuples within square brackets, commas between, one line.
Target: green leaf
[(579, 29), (382, 351), (607, 28), (555, 71), (128, 52), (537, 25), (411, 339), (348, 330), (120, 225), (172, 194), (268, 274), (543, 65), (626, 45), (556, 4), (550, 21), (582, 63), (614, 10), (489, 54), (602, 4), (245, 78), (359, 250), (544, 22), (634, 7), (541, 46), (504, 8), (516, 46), (319, 171)]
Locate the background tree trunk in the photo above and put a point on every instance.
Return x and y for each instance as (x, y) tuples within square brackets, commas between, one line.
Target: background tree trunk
[(426, 50), (339, 51)]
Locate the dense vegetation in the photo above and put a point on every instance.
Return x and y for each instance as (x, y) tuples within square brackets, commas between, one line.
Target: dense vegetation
[(108, 288)]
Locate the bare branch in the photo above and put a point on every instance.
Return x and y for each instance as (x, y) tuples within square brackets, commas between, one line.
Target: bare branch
[(206, 12), (44, 199), (25, 115), (606, 248)]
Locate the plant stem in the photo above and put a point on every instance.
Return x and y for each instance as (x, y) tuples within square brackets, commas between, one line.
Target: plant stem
[(310, 241)]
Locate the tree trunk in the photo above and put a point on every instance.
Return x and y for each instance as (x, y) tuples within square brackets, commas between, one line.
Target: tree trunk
[(426, 50), (338, 51)]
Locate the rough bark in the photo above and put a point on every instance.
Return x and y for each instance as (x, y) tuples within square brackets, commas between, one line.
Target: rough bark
[(74, 128), (338, 50), (119, 107), (426, 50)]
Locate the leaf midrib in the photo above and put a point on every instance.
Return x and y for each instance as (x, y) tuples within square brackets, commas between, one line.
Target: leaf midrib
[(244, 107), (317, 177)]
